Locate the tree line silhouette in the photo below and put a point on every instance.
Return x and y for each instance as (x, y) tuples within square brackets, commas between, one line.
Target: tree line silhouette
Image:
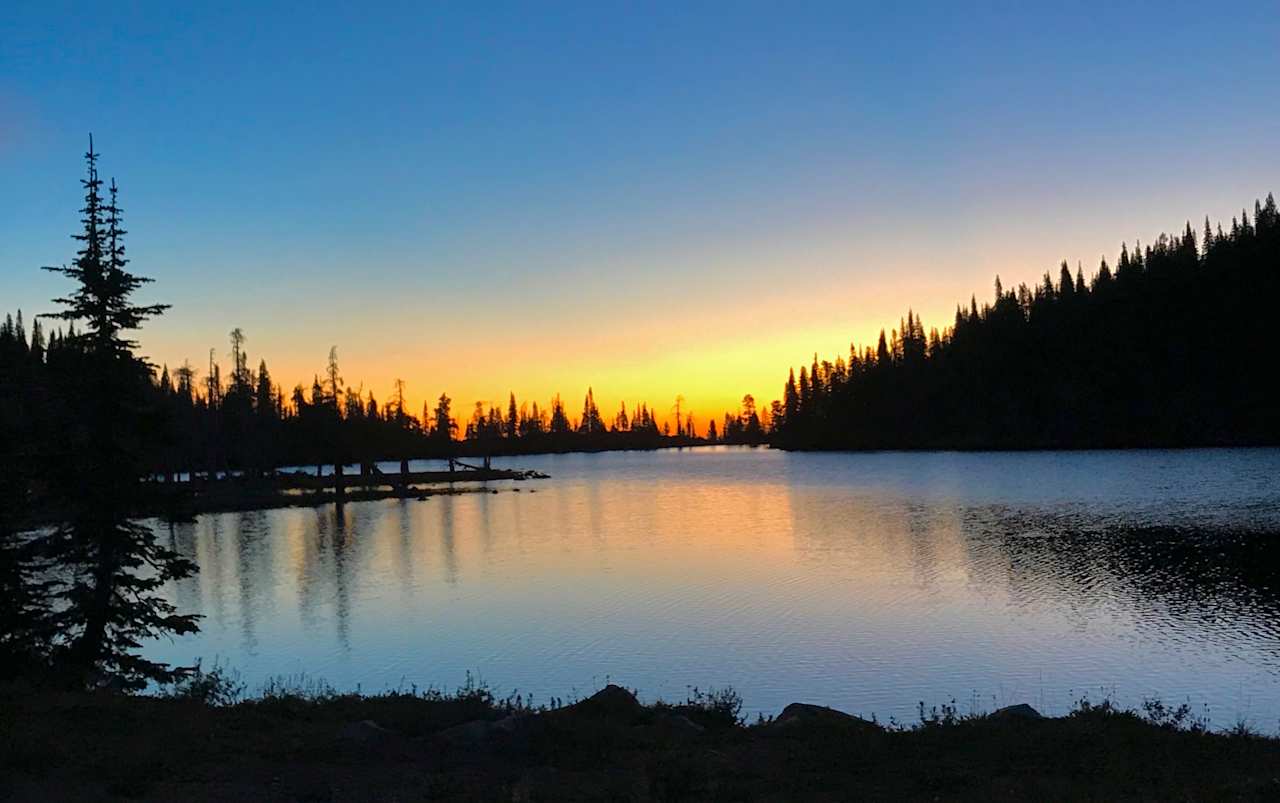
[(1169, 349), (241, 420)]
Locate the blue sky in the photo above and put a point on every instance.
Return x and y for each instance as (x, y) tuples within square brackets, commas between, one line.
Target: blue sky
[(679, 198)]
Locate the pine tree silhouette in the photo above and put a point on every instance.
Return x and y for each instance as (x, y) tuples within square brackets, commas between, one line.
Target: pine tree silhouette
[(110, 568)]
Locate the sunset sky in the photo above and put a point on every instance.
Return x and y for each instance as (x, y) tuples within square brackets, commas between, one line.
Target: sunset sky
[(649, 199)]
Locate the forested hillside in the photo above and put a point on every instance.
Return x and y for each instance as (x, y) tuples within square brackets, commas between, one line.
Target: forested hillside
[(1171, 347)]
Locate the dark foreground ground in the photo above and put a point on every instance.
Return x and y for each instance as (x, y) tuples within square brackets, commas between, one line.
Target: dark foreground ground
[(403, 747)]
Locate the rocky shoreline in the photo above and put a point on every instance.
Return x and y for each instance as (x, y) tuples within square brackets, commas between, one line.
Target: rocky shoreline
[(610, 746)]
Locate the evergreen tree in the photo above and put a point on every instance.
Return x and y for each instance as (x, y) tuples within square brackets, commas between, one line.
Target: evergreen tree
[(264, 394), (445, 426), (109, 567), (790, 397), (752, 431), (334, 376), (559, 421), (591, 423)]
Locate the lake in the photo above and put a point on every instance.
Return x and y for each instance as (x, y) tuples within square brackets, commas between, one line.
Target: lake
[(867, 582)]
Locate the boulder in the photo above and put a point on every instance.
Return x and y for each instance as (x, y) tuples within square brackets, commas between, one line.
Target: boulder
[(1019, 711), (805, 714), (611, 702)]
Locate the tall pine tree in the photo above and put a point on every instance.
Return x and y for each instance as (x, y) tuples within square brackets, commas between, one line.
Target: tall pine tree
[(109, 568)]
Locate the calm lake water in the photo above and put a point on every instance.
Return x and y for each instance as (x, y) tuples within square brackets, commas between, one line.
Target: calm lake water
[(867, 582)]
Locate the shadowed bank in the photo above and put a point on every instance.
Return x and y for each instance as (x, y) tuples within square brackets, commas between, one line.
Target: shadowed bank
[(321, 746)]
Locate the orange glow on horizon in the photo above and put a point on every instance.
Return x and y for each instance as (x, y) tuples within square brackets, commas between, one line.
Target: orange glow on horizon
[(712, 371), (629, 340)]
